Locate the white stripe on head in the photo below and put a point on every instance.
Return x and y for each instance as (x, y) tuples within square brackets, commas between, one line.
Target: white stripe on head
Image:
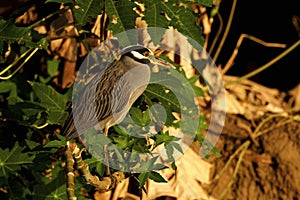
[(138, 55)]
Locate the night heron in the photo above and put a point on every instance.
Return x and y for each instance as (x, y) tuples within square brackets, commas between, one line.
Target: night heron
[(105, 100)]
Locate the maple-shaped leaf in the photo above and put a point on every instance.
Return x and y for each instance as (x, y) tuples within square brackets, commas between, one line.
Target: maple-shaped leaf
[(86, 9), (54, 102), (11, 160), (9, 32)]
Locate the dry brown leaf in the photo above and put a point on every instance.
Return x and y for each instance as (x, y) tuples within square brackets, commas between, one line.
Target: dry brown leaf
[(295, 97), (252, 99), (68, 77), (192, 171), (28, 17)]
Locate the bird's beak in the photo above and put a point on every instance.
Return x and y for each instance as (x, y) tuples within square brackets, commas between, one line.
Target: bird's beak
[(158, 61)]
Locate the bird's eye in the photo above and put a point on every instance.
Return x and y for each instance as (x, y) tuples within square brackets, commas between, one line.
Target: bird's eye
[(146, 53)]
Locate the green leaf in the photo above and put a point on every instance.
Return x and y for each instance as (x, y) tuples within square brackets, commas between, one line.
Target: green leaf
[(122, 142), (59, 1), (13, 100), (165, 138), (52, 188), (27, 107), (177, 146), (57, 116), (52, 66), (11, 33), (152, 175), (168, 100), (207, 3), (54, 102), (198, 91), (94, 163), (143, 178), (31, 144), (61, 138), (87, 9), (12, 159), (55, 144), (122, 18), (141, 119), (207, 146), (8, 86), (154, 18), (174, 166), (157, 177), (181, 17), (147, 165)]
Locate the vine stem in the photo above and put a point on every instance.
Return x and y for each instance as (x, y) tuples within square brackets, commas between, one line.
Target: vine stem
[(265, 66), (14, 63), (250, 37), (243, 149), (47, 17), (213, 44), (226, 31)]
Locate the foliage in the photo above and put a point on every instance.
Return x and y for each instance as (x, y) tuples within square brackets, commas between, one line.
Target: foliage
[(32, 112)]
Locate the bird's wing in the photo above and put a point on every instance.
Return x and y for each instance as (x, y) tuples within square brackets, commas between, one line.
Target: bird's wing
[(107, 98), (127, 89)]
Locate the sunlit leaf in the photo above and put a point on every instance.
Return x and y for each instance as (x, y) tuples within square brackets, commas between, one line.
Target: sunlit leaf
[(170, 13), (157, 177), (143, 178), (207, 3), (87, 9), (206, 146), (198, 91), (140, 119), (122, 18), (151, 175)]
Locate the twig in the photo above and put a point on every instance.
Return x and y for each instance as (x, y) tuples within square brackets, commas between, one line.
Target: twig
[(257, 132), (49, 16), (213, 44), (243, 148), (265, 66), (15, 62), (226, 31), (102, 185), (70, 174), (238, 44), (41, 126)]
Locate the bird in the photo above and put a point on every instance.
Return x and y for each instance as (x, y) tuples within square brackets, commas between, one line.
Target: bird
[(106, 99)]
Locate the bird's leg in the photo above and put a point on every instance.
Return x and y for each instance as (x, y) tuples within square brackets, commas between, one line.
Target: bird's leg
[(107, 170)]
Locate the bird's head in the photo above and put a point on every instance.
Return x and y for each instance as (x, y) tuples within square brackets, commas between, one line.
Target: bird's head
[(144, 55)]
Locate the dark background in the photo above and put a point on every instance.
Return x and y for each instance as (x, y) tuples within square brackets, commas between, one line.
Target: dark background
[(270, 21)]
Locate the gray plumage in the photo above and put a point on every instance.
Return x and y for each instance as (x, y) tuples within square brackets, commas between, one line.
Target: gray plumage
[(107, 98)]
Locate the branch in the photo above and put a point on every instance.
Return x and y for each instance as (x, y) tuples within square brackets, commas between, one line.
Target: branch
[(265, 66), (103, 184), (238, 44)]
